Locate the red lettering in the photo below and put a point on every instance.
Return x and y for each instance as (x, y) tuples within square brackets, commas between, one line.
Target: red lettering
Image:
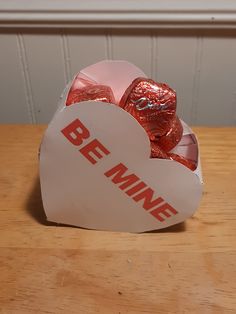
[(164, 209), (118, 172), (76, 132), (95, 148), (118, 177), (147, 195), (138, 187)]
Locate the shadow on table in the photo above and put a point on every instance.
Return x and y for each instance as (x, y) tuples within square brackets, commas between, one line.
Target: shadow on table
[(180, 227), (34, 207)]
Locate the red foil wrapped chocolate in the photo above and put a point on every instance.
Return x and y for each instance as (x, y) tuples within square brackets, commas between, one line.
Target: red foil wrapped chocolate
[(152, 104), (90, 92), (173, 135), (158, 152)]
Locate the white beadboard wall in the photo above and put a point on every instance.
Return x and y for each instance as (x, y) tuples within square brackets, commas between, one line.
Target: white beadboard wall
[(39, 58)]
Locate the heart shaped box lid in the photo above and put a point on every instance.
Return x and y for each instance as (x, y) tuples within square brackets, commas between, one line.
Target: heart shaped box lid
[(95, 165)]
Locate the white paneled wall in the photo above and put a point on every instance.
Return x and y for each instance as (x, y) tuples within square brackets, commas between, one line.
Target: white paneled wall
[(200, 65), (14, 105), (217, 81)]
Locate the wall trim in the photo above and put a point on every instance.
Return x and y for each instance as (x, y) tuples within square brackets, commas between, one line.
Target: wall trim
[(110, 14)]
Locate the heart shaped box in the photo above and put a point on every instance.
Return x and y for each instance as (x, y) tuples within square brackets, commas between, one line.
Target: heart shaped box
[(95, 165)]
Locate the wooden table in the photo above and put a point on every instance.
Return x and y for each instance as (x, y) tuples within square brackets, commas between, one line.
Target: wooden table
[(44, 268)]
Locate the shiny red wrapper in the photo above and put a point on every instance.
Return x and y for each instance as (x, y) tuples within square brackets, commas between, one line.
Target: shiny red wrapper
[(152, 104), (90, 92), (157, 152), (172, 137), (154, 107)]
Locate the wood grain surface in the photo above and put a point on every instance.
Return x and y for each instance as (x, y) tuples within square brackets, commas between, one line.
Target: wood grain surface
[(46, 268)]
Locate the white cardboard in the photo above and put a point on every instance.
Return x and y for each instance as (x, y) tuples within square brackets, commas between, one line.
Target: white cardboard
[(76, 192)]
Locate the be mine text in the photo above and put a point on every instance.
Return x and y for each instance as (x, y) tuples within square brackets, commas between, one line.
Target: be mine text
[(133, 186)]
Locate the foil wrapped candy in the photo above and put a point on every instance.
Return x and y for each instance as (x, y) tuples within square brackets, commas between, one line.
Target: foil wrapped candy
[(95, 92), (152, 104), (154, 107)]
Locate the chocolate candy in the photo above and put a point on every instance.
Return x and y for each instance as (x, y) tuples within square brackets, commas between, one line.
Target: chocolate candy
[(172, 137), (90, 92), (152, 104), (157, 152), (154, 107)]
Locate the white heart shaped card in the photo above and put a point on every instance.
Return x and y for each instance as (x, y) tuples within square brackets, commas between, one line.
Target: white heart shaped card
[(96, 171)]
